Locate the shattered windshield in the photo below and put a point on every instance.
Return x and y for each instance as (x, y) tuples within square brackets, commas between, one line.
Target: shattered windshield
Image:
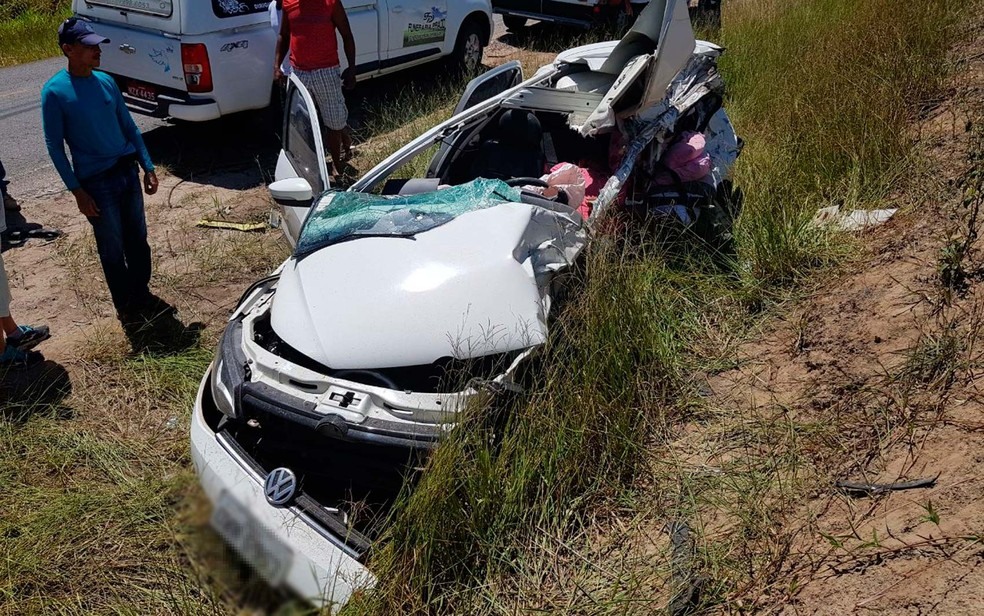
[(344, 216)]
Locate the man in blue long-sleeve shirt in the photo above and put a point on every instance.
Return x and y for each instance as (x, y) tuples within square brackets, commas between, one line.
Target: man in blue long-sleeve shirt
[(84, 108)]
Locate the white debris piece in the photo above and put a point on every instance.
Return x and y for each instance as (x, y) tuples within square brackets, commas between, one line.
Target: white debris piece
[(855, 220)]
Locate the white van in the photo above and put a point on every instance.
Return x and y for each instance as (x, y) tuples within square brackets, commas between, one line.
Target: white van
[(196, 60)]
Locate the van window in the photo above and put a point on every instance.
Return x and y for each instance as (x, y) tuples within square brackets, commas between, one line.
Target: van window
[(235, 8), (161, 8)]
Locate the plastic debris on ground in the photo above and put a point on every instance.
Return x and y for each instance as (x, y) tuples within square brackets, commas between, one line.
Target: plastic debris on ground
[(855, 220), (233, 226)]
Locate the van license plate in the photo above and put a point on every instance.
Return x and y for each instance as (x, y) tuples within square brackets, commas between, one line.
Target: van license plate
[(254, 543), (141, 91)]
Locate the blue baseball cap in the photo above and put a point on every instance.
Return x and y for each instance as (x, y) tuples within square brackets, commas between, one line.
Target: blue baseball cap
[(75, 30)]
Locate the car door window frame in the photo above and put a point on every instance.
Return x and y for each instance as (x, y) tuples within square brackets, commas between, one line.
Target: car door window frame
[(466, 102), (442, 132), (296, 88)]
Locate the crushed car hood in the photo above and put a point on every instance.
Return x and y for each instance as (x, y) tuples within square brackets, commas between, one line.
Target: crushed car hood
[(468, 288)]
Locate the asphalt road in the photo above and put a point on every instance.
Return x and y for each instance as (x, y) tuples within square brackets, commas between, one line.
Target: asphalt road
[(31, 174)]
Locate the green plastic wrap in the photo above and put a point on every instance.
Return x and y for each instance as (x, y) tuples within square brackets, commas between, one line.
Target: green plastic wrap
[(344, 216)]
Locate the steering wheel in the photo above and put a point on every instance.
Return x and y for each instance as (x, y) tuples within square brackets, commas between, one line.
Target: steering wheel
[(526, 182)]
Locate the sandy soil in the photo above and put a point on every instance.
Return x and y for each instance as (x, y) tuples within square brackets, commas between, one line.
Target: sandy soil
[(849, 357), (60, 282)]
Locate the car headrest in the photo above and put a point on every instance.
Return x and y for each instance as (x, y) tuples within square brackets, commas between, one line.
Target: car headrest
[(520, 129)]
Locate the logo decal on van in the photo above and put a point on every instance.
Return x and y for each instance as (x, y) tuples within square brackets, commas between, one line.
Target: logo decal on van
[(243, 44), (161, 57), (433, 30)]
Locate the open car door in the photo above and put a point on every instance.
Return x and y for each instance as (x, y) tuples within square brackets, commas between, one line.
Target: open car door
[(302, 173)]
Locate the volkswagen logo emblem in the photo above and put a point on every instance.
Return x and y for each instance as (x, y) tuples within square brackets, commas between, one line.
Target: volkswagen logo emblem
[(280, 487)]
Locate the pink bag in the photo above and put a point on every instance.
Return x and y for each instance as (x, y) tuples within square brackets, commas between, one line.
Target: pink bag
[(570, 179), (686, 158)]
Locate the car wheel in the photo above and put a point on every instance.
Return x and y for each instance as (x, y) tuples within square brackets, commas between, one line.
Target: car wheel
[(513, 23), (708, 14), (469, 49)]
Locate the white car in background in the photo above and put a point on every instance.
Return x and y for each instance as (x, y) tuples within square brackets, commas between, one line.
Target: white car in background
[(406, 297), (197, 60)]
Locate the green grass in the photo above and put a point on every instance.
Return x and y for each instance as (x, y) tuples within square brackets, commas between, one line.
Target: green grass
[(28, 29), (90, 510), (823, 93)]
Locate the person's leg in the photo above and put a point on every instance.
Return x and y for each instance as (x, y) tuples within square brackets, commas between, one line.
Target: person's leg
[(9, 203), (334, 113), (134, 231), (4, 307), (325, 87), (10, 355), (3, 179), (347, 143), (108, 229), (335, 149)]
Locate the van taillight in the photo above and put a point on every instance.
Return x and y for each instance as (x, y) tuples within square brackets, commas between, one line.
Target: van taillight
[(198, 72)]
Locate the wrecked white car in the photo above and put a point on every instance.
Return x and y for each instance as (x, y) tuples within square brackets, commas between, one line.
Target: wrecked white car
[(406, 297)]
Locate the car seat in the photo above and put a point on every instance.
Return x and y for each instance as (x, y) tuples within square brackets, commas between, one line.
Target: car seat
[(514, 151)]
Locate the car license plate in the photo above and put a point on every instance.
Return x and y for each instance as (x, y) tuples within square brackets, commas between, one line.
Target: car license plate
[(141, 91), (254, 543)]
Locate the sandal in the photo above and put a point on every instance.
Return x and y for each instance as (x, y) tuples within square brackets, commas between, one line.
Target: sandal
[(14, 358), (44, 234), (28, 337)]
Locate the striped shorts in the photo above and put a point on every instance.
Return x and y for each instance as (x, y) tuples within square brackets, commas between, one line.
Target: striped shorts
[(325, 86)]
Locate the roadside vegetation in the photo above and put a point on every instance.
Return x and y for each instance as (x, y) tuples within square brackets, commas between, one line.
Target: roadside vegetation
[(28, 29), (822, 93), (540, 502)]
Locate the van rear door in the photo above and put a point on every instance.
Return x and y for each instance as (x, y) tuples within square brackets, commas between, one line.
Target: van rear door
[(144, 51)]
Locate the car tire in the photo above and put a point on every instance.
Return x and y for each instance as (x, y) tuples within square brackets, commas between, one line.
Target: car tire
[(514, 23), (469, 49), (708, 14)]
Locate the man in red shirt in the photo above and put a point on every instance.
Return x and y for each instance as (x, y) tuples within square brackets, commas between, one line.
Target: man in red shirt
[(308, 30)]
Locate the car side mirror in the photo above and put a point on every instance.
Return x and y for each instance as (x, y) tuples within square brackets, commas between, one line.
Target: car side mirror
[(291, 189)]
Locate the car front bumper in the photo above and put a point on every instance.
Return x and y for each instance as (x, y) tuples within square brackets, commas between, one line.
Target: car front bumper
[(283, 544)]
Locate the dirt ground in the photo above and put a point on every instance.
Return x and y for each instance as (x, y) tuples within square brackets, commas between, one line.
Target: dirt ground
[(885, 362), (60, 283)]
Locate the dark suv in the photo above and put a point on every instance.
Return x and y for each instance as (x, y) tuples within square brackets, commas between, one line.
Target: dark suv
[(586, 13)]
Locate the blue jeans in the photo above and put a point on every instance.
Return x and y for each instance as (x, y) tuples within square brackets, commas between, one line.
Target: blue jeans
[(121, 234)]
